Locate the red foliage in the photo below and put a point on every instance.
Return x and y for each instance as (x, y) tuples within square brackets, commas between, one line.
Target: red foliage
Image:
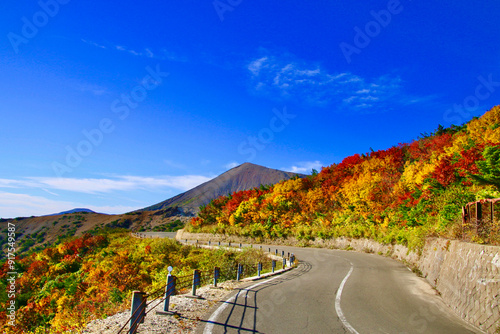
[(467, 162), (445, 172), (424, 148)]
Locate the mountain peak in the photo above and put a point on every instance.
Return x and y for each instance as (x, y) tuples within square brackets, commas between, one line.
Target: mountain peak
[(243, 177)]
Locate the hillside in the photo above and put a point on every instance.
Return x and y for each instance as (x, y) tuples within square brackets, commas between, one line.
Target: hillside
[(36, 233), (242, 177), (63, 287), (398, 195)]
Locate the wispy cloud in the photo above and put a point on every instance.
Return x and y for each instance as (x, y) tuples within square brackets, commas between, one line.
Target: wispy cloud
[(231, 164), (91, 88), (147, 52), (173, 164), (24, 205), (94, 44), (144, 53), (106, 185), (304, 167), (286, 77)]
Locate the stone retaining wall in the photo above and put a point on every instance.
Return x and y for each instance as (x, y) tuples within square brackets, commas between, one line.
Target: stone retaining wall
[(466, 275)]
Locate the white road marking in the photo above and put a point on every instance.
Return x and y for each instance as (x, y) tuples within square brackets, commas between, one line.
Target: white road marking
[(210, 322), (338, 297)]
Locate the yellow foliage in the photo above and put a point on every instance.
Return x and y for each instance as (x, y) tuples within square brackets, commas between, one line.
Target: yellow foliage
[(460, 142), (486, 128), (278, 199), (287, 186), (365, 183), (314, 200), (415, 173)]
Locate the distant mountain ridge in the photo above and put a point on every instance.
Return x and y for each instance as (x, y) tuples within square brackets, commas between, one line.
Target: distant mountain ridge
[(74, 211), (243, 177)]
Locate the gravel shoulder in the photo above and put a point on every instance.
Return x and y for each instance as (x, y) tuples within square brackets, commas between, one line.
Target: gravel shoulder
[(189, 310)]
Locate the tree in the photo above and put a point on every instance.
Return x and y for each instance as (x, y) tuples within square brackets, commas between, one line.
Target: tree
[(489, 168)]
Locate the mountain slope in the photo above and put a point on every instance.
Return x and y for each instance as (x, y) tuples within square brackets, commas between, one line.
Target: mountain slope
[(398, 195), (242, 177)]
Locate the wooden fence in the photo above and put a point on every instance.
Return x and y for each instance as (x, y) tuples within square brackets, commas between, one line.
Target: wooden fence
[(481, 220)]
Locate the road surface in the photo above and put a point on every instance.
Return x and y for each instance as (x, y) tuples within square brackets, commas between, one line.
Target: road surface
[(159, 234), (334, 291)]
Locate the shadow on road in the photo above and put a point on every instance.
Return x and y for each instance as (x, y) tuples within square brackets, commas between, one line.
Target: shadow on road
[(242, 313)]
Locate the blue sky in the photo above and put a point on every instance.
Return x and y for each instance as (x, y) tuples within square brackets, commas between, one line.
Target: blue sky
[(117, 106)]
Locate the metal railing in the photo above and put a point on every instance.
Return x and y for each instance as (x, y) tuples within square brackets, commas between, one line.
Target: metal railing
[(181, 284)]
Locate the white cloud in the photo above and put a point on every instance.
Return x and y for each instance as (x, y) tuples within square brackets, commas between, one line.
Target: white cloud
[(305, 167), (106, 185), (149, 53), (9, 183), (163, 54), (231, 165), (19, 204), (256, 65), (286, 77), (173, 164), (91, 88), (94, 44), (23, 205)]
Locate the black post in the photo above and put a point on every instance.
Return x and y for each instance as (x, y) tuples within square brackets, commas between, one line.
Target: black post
[(216, 275), (138, 310), (169, 291), (196, 280), (240, 272)]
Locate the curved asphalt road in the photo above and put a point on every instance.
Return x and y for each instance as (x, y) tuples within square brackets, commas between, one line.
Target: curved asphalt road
[(334, 291)]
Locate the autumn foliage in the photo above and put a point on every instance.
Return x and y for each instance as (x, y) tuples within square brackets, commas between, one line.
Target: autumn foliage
[(62, 288), (398, 195)]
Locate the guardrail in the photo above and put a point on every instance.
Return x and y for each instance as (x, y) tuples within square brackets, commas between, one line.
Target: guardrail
[(181, 284)]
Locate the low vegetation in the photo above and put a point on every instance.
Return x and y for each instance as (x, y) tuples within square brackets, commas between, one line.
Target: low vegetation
[(399, 195), (62, 288)]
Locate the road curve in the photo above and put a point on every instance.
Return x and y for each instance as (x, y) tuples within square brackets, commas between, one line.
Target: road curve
[(334, 291)]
